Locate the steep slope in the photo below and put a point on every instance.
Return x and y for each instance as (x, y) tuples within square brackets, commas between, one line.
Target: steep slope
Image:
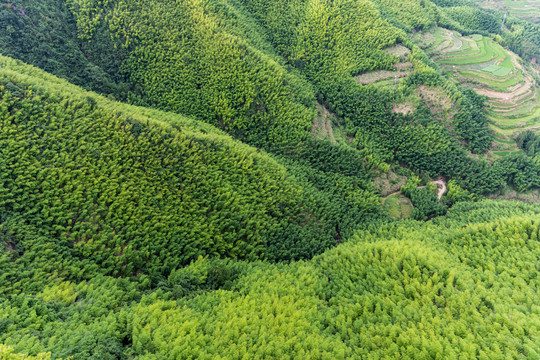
[(140, 190), (525, 9), (503, 77), (128, 232), (205, 60), (255, 68), (259, 70), (44, 34)]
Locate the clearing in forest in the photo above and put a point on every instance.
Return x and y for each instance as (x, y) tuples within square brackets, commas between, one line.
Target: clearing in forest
[(385, 78), (327, 126), (389, 183), (322, 125), (398, 206)]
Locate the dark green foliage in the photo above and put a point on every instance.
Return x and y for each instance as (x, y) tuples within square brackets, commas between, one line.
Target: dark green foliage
[(44, 33), (472, 122), (426, 205), (204, 275), (474, 20), (521, 171), (335, 178), (531, 39), (529, 142), (425, 147)]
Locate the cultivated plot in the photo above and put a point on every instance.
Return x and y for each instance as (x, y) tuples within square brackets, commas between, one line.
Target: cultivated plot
[(482, 64)]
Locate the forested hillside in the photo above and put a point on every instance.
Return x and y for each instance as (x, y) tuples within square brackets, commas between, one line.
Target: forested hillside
[(256, 69), (136, 189), (249, 179), (443, 290)]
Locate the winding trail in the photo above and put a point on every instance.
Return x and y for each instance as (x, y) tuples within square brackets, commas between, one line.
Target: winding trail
[(392, 194), (441, 186)]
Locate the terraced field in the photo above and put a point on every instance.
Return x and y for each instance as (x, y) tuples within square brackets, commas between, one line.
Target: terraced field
[(524, 9), (482, 64), (386, 78)]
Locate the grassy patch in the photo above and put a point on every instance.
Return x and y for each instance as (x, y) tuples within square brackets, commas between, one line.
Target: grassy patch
[(506, 153), (398, 206), (392, 204)]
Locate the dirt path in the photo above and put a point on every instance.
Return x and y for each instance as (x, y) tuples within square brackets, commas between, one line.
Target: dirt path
[(392, 194), (441, 186)]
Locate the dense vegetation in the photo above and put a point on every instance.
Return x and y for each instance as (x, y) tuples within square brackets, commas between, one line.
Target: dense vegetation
[(255, 69), (443, 290), (200, 217), (529, 142), (135, 193), (43, 33)]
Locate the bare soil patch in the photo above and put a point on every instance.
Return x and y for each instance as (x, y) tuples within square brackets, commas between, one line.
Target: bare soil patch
[(399, 50), (389, 183), (441, 185), (435, 97), (374, 76), (438, 102), (322, 124), (424, 40), (405, 108)]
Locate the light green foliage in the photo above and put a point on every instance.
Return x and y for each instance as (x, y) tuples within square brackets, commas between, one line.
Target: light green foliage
[(410, 14), (473, 19), (63, 292), (392, 204), (456, 194), (431, 290), (398, 206), (412, 184), (6, 353), (135, 193), (310, 35), (326, 51), (460, 285), (194, 57)]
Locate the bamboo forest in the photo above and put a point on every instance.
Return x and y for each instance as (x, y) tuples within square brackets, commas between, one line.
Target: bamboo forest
[(269, 179)]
